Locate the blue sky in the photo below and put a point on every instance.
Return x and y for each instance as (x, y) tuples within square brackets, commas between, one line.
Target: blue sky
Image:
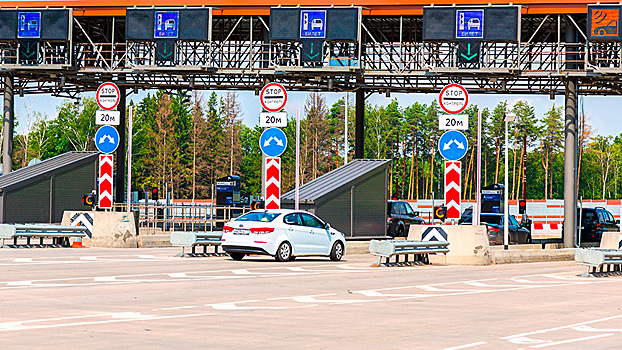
[(602, 111)]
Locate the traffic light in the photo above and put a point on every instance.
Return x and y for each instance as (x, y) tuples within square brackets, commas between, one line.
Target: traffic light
[(155, 194), (522, 206), (89, 199), (440, 213), (257, 205)]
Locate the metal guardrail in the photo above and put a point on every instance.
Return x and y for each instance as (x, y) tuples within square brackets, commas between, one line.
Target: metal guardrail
[(420, 250), (192, 239), (58, 233), (598, 260)]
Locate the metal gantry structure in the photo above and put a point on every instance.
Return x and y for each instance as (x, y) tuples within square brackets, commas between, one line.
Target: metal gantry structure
[(552, 56)]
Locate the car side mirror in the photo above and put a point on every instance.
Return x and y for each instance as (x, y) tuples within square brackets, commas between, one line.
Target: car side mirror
[(617, 222), (412, 215), (327, 226), (417, 213)]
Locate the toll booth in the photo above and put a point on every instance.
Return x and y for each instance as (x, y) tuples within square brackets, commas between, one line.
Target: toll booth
[(492, 198), (228, 191)]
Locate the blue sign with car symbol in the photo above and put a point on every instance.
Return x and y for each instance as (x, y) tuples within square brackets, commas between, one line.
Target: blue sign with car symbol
[(273, 142), (166, 24), (453, 145), (469, 24), (312, 24), (29, 25), (107, 139)]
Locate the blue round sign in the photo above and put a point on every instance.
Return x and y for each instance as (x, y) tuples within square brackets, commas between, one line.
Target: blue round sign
[(107, 139), (453, 145), (273, 142)]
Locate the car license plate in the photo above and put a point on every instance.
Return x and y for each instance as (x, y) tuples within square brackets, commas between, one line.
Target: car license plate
[(241, 231)]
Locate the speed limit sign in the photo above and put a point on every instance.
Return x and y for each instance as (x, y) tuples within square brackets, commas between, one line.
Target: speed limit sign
[(108, 96), (453, 98), (273, 97)]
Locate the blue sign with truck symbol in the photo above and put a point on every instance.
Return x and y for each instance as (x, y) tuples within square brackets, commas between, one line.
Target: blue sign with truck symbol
[(166, 24), (312, 24), (469, 24), (29, 25)]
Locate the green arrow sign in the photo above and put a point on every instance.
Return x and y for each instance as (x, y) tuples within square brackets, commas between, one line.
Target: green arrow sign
[(468, 56)]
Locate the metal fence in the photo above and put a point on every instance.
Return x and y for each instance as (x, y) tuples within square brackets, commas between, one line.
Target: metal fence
[(154, 217)]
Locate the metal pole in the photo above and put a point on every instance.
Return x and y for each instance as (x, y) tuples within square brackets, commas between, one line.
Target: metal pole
[(506, 232), (9, 123), (121, 149), (359, 125), (570, 201), (478, 203), (345, 134), (129, 162), (297, 199)]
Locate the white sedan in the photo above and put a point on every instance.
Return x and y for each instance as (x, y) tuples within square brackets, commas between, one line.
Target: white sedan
[(282, 233)]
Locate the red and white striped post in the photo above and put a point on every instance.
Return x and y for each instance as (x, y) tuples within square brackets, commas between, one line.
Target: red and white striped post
[(453, 189), (273, 182), (105, 181)]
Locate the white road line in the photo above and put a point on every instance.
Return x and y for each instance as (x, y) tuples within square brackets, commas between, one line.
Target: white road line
[(179, 307), (571, 340), (586, 328), (314, 295), (542, 331), (22, 260), (466, 346)]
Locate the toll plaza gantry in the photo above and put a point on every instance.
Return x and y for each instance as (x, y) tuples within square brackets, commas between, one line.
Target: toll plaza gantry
[(63, 48)]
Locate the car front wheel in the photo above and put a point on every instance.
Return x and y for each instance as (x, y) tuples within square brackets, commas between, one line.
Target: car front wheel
[(337, 252), (284, 253)]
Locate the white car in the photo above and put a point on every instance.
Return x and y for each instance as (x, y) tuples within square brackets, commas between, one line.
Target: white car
[(282, 233)]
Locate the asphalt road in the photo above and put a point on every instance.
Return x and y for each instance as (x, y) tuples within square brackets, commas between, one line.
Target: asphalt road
[(151, 299)]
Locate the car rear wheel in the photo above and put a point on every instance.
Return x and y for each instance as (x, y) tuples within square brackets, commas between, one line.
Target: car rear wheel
[(284, 253), (337, 252), (237, 256), (400, 232)]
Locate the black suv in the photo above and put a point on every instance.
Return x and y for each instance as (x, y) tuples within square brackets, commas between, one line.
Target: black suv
[(400, 216), (595, 221)]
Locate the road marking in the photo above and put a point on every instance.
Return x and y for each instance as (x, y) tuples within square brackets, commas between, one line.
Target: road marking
[(466, 346), (586, 328), (22, 260), (572, 340), (542, 331), (179, 307)]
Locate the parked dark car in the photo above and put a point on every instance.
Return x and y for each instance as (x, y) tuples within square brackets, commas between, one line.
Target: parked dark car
[(494, 222), (400, 215), (595, 221)]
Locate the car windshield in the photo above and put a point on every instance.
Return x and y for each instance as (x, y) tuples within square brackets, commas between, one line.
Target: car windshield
[(259, 217), (492, 219)]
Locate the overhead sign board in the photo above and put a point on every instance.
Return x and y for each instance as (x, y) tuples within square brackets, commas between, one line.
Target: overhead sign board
[(603, 23), (453, 98), (108, 96), (312, 23), (166, 24), (453, 122), (29, 25), (273, 142), (485, 23), (107, 117), (453, 145), (270, 120), (107, 139), (273, 97)]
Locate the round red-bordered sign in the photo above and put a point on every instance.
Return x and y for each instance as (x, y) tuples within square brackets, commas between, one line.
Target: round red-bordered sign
[(453, 98), (108, 96), (273, 97)]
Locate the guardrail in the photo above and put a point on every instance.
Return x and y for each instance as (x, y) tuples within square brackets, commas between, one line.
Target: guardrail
[(599, 259), (420, 250), (192, 239), (59, 234)]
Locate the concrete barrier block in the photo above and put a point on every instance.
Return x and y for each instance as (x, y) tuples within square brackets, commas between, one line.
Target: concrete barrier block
[(183, 239), (110, 229), (7, 231), (468, 244), (610, 240)]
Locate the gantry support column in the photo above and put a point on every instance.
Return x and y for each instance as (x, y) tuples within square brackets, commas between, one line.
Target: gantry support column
[(8, 125), (120, 189), (359, 128), (570, 164)]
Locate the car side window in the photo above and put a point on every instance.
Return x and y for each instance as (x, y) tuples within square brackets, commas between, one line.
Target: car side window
[(409, 209), (395, 209), (601, 217), (401, 209), (292, 219), (610, 217), (310, 221)]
